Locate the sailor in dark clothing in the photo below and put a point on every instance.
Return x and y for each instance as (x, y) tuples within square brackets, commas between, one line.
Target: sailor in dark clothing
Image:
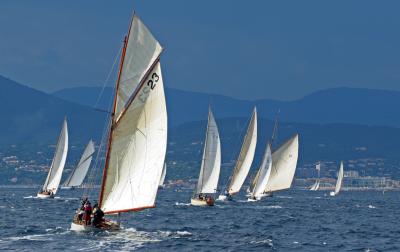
[(98, 215)]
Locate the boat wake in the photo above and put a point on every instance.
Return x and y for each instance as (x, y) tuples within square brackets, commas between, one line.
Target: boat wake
[(181, 204), (285, 197)]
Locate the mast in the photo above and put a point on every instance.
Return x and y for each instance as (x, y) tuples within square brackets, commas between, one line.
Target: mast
[(112, 121)]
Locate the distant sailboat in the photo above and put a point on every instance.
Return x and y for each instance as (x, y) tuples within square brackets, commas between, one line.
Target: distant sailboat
[(50, 187), (77, 176), (315, 186), (284, 162), (263, 175), (339, 181), (244, 160), (210, 166), (137, 138), (163, 174)]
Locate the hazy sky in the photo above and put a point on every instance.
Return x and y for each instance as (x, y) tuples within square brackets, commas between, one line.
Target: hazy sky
[(245, 49)]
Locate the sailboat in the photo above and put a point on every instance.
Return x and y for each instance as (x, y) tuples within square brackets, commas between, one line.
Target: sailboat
[(163, 174), (77, 176), (263, 175), (339, 181), (50, 187), (244, 160), (284, 162), (137, 138), (210, 166), (315, 186)]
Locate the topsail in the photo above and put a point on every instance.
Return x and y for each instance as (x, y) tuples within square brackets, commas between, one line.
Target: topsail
[(211, 163), (138, 132), (246, 156), (57, 166)]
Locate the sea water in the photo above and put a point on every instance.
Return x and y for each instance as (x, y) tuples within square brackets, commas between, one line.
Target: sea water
[(294, 220)]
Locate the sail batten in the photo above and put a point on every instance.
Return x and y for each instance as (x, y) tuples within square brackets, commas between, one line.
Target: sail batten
[(211, 161), (246, 156), (138, 132)]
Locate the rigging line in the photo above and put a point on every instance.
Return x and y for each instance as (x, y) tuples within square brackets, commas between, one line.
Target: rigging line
[(108, 77)]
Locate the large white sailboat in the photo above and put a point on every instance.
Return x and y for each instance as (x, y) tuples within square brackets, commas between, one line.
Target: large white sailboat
[(210, 166), (315, 186), (339, 181), (244, 160), (137, 139), (284, 162), (50, 187), (77, 176), (263, 175)]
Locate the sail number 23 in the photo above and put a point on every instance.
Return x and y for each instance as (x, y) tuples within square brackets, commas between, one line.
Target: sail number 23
[(150, 85)]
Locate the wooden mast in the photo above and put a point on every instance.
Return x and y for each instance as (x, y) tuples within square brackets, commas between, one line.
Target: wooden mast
[(113, 114)]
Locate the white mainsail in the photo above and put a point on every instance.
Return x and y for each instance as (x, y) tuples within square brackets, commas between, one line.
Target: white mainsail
[(211, 163), (339, 179), (138, 134), (246, 156), (79, 173), (315, 186), (284, 162), (57, 166), (263, 174), (163, 174)]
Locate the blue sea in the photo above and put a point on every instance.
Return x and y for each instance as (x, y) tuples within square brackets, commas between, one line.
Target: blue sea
[(293, 220)]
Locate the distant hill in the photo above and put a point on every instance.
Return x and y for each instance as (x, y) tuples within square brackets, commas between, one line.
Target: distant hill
[(29, 116), (337, 105)]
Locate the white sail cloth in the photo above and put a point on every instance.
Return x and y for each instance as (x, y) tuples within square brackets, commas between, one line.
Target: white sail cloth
[(138, 138), (284, 162), (211, 163), (246, 156), (263, 174), (57, 166), (315, 186), (142, 50), (339, 179), (79, 173)]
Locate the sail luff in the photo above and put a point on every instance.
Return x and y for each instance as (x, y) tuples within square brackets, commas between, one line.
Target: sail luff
[(163, 174), (246, 156)]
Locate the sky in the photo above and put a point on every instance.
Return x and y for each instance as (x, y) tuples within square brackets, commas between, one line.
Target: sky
[(244, 49)]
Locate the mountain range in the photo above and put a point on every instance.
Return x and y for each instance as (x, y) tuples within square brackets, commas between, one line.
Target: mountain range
[(337, 105)]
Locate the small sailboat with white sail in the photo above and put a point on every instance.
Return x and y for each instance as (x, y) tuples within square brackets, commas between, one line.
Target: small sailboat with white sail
[(315, 186), (339, 181), (50, 186), (137, 133), (284, 163), (244, 161), (77, 176), (210, 166), (163, 174), (263, 175)]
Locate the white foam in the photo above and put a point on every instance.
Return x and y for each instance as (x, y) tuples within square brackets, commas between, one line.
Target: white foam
[(183, 233), (181, 204), (266, 241), (371, 206)]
